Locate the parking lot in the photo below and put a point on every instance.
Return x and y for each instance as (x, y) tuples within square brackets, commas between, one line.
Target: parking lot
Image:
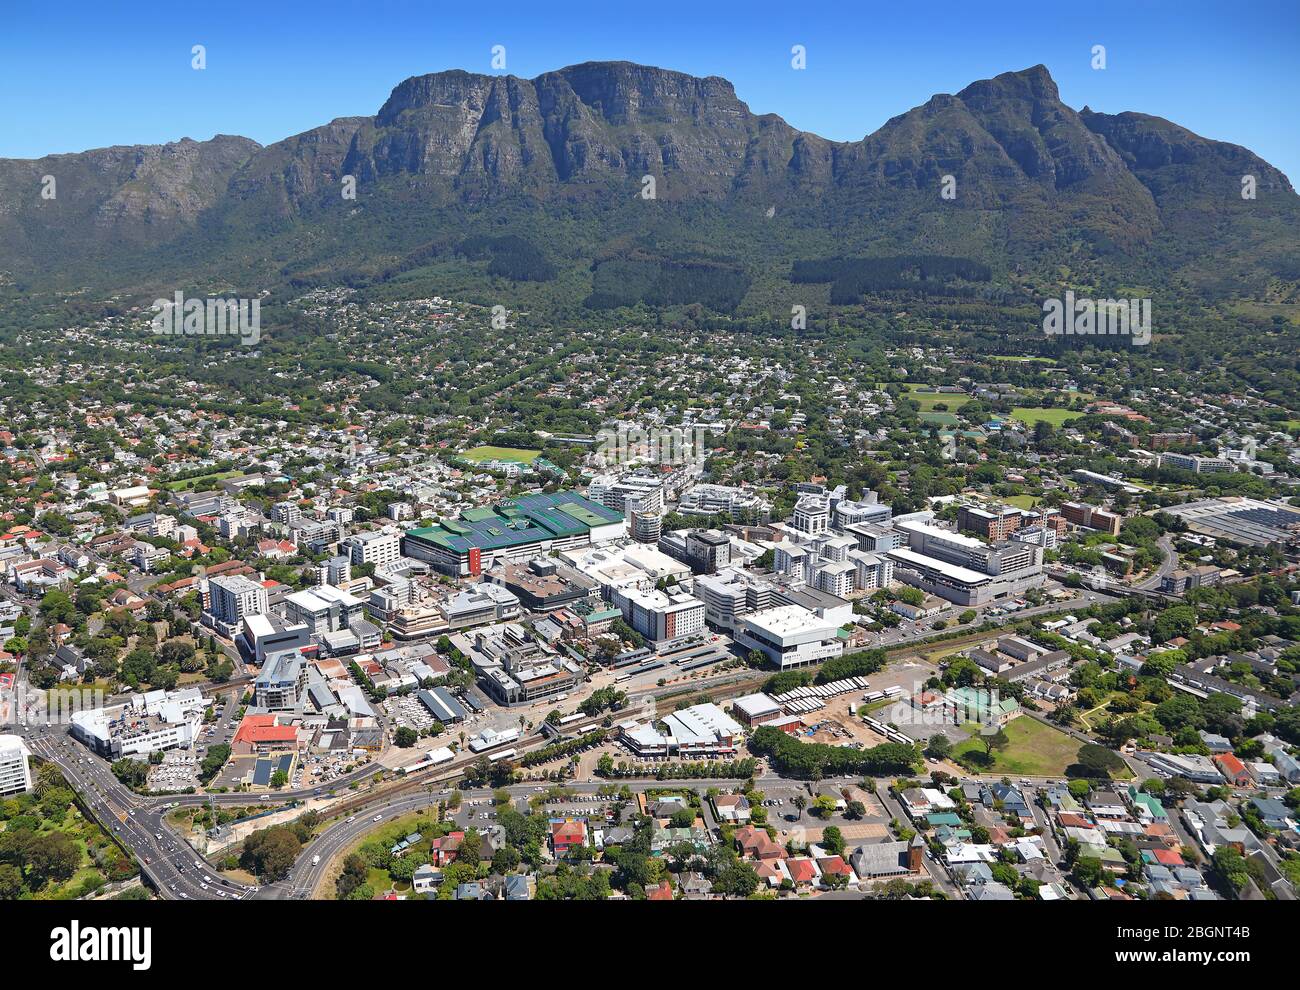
[(178, 771)]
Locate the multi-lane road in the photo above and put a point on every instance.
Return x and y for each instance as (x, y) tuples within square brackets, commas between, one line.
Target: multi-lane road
[(166, 860)]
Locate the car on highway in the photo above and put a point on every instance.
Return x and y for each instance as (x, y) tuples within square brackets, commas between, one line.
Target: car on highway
[(377, 818)]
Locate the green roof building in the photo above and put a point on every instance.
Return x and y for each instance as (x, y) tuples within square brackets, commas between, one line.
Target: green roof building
[(512, 530)]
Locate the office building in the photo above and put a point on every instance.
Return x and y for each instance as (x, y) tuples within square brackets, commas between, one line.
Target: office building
[(789, 636), (480, 603), (265, 634), (812, 514), (282, 681), (158, 720), (1091, 517), (711, 500), (614, 492), (15, 772), (867, 512), (660, 615), (376, 547), (962, 569), (1195, 463), (731, 594), (234, 597), (323, 609)]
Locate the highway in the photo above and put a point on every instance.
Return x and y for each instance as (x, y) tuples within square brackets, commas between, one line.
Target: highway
[(163, 857)]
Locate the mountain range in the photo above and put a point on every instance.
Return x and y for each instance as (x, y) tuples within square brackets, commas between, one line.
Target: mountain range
[(497, 179)]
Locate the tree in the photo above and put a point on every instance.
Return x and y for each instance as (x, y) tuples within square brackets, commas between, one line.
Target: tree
[(682, 818), (1230, 867), (52, 856), (270, 852), (1088, 872), (833, 840), (501, 773), (213, 761), (471, 847), (824, 806), (132, 773), (1173, 622), (1096, 761), (11, 882), (938, 746), (406, 737), (355, 872), (994, 740)]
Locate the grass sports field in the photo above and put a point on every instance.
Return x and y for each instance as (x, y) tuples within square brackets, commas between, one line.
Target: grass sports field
[(1035, 414), (481, 455)]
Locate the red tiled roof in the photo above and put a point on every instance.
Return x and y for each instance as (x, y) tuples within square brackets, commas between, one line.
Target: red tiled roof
[(834, 864), (664, 892), (1231, 764), (801, 870)]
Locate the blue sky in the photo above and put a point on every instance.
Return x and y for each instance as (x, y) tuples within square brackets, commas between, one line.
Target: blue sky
[(81, 75)]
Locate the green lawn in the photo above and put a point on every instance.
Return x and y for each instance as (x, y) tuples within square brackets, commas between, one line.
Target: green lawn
[(928, 400), (1022, 501), (939, 418), (480, 455), (1035, 414), (99, 860), (201, 483), (1035, 750)]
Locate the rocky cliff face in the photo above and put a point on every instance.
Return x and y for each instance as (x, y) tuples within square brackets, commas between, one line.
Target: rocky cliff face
[(128, 195), (1026, 167)]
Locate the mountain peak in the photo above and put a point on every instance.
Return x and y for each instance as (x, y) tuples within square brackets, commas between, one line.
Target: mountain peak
[(1034, 83)]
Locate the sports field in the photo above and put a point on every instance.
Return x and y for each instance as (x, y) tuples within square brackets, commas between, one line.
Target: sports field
[(481, 455), (1036, 414)]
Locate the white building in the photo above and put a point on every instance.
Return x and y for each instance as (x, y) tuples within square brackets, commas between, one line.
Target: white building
[(710, 500), (233, 597), (962, 569), (150, 722), (323, 609), (699, 731), (730, 594), (376, 547), (790, 636), (613, 492), (659, 615), (812, 514), (864, 513), (15, 773)]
